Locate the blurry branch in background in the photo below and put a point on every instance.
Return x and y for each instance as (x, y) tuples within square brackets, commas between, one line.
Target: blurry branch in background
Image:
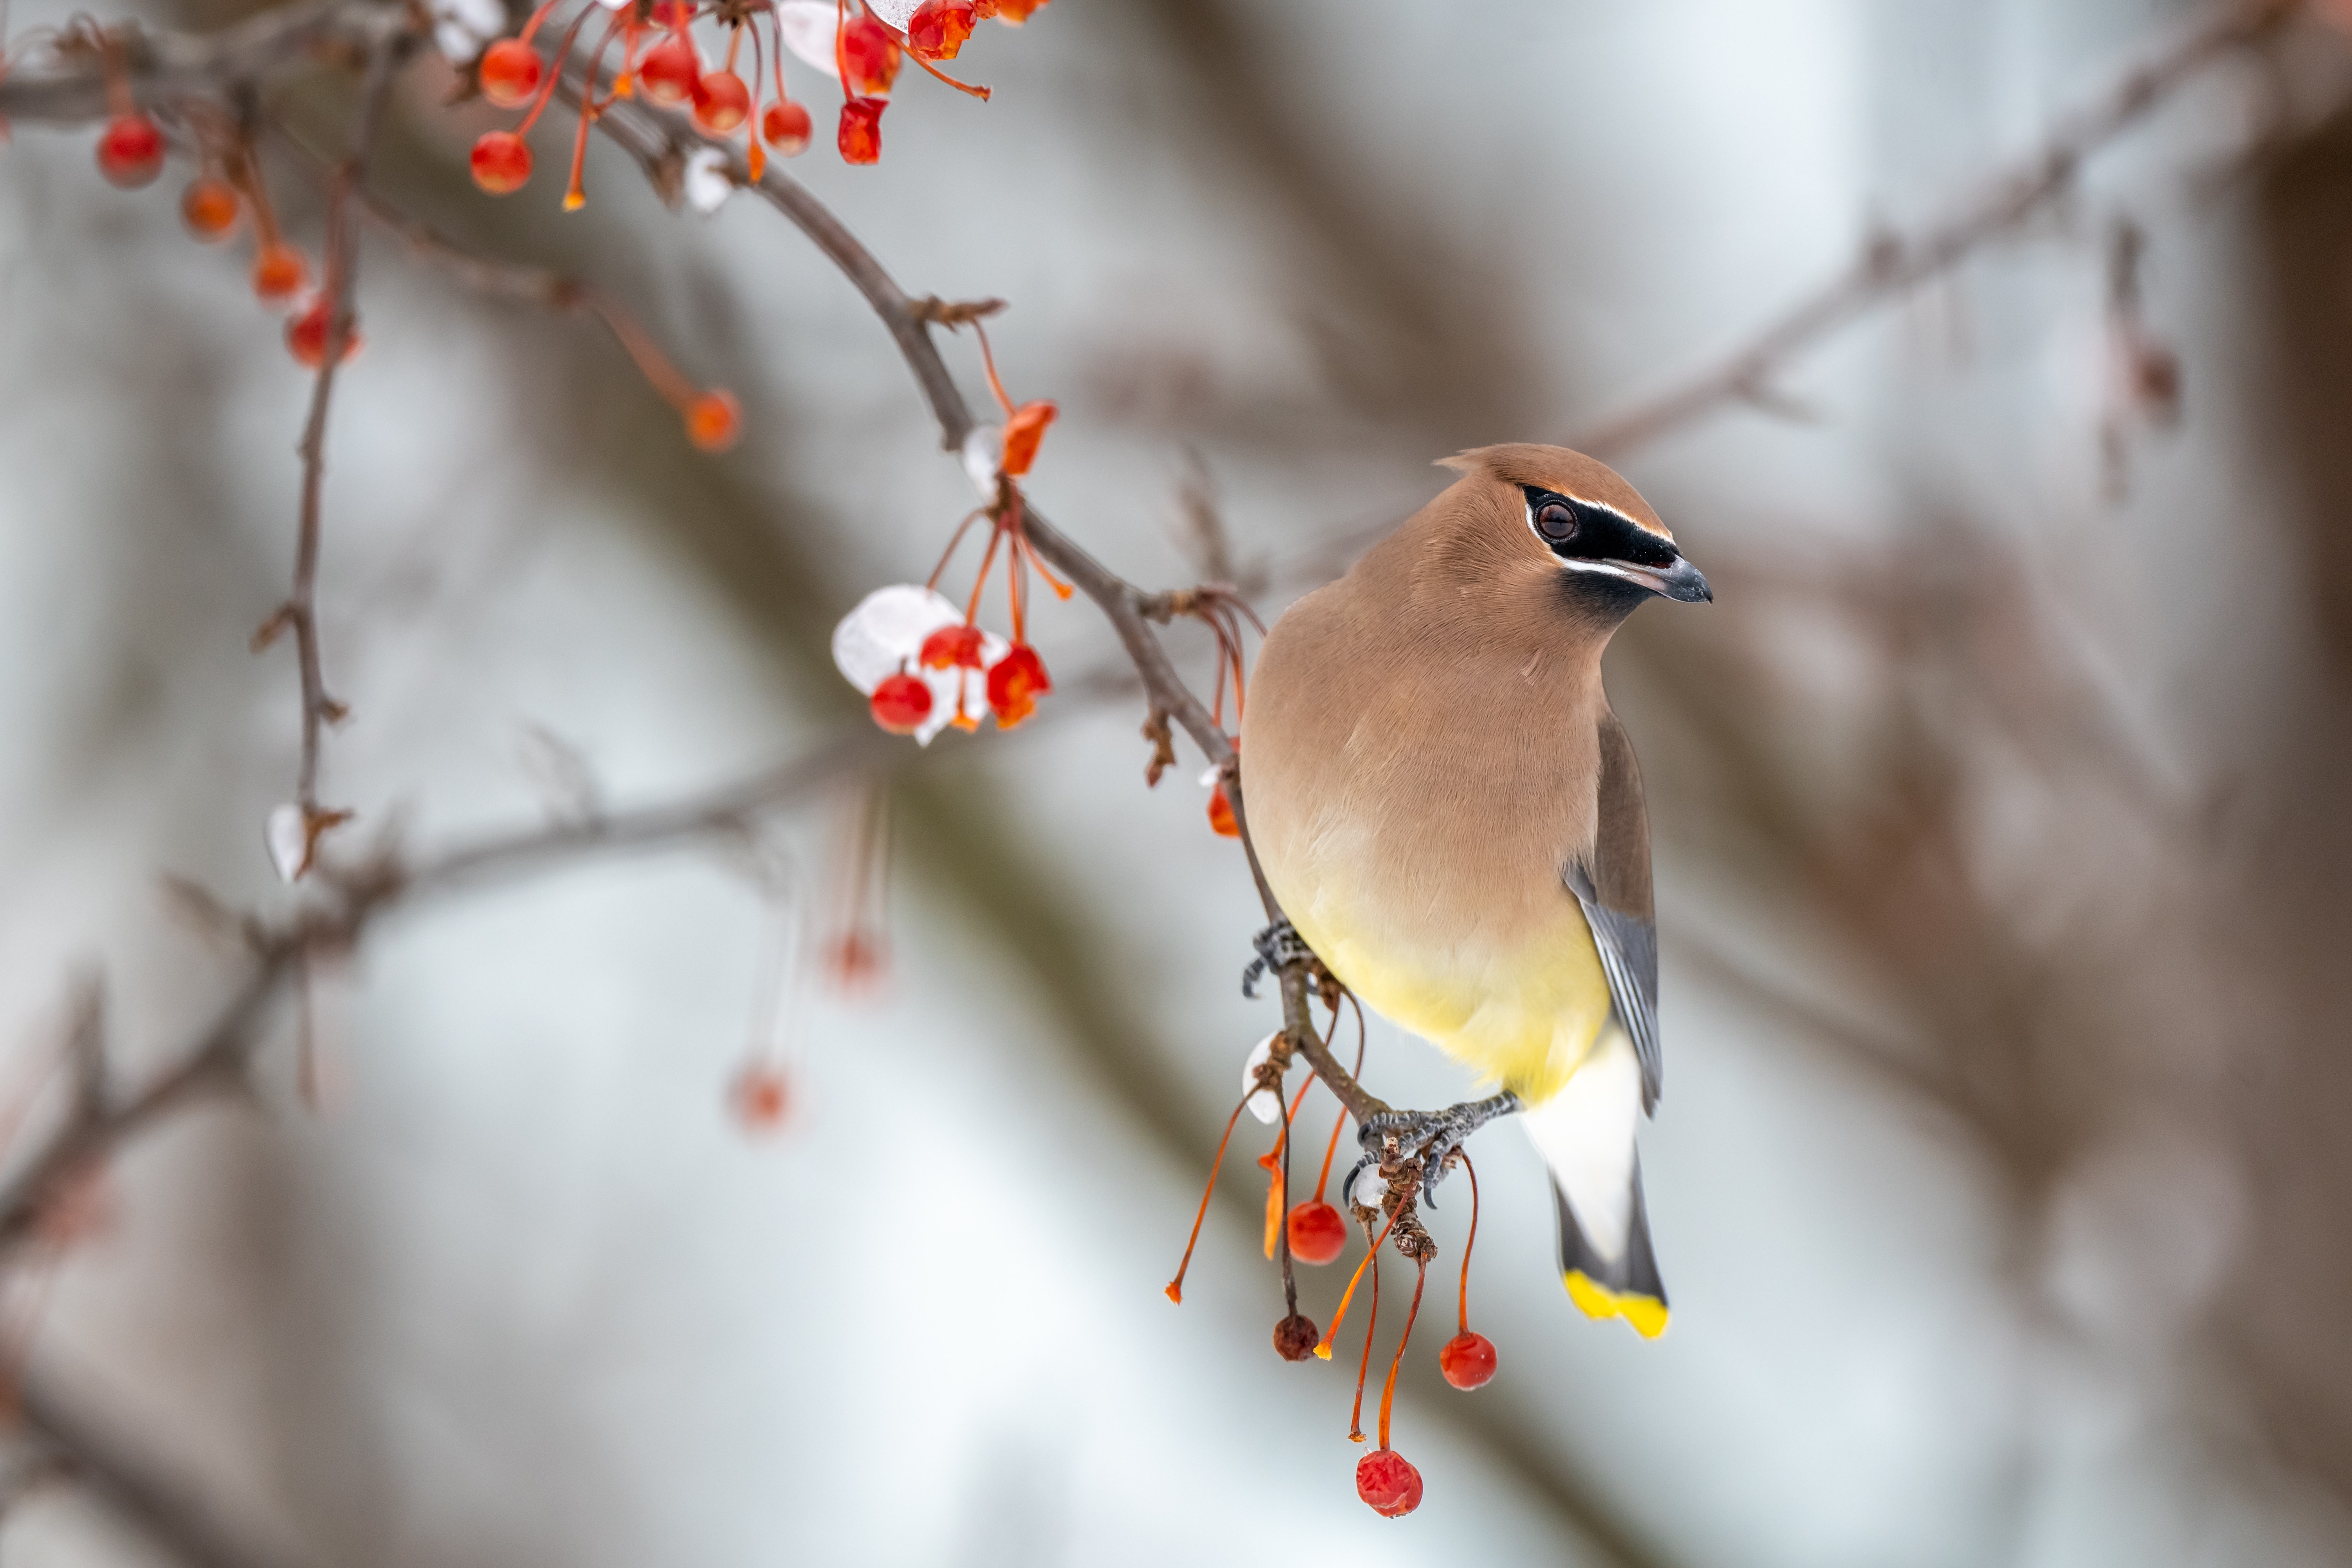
[(1892, 262)]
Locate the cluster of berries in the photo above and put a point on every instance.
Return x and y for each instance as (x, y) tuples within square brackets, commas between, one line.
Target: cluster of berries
[(1315, 1232), (131, 152), (661, 60), (925, 663)]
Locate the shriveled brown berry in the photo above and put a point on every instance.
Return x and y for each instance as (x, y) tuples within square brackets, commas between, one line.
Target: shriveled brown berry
[(1296, 1336)]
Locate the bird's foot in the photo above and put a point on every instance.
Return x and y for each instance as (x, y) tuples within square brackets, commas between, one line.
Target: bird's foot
[(1279, 946), (1428, 1136)]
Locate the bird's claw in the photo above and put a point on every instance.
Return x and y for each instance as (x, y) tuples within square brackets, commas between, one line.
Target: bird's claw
[(1430, 1136), (1279, 946)]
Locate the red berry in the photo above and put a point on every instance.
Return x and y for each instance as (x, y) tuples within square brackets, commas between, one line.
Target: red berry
[(1467, 1360), (509, 72), (760, 1096), (279, 273), (670, 70), (721, 102), (1014, 684), (786, 128), (713, 420), (860, 136), (939, 27), (502, 162), (130, 150), (306, 336), (1387, 1480), (901, 703), (951, 648), (1012, 12), (209, 206), (1318, 1232), (869, 57)]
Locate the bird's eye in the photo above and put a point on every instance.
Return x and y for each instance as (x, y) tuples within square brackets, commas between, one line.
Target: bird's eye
[(1555, 521)]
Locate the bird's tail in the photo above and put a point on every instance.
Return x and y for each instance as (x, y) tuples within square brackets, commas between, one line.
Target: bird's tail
[(1585, 1134)]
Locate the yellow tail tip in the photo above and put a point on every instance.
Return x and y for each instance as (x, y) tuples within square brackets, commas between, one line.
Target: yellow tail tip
[(1647, 1314)]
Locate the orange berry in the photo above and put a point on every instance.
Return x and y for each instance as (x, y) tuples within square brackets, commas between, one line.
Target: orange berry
[(670, 70), (1220, 813), (785, 127), (306, 336), (279, 273), (1012, 12), (860, 137), (721, 102), (901, 703), (510, 73), (1318, 1234), (130, 150), (1387, 1480), (209, 207), (502, 162), (713, 420), (939, 27), (1022, 433)]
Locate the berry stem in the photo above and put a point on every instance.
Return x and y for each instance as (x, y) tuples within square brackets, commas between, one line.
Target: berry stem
[(651, 361), (554, 74), (965, 88), (1472, 1241), (1323, 1350), (1388, 1390), (1332, 1148), (954, 540), (1364, 1365), (988, 361), (1176, 1286), (1282, 1210)]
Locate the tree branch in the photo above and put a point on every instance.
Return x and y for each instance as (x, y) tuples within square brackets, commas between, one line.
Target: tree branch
[(1891, 263)]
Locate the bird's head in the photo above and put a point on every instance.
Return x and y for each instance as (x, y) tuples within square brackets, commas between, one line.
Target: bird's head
[(1572, 518)]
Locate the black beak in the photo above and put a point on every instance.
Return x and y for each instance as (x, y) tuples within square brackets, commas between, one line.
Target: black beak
[(1682, 582)]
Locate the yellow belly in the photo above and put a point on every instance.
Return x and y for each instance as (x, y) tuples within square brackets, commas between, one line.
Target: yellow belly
[(1525, 1016)]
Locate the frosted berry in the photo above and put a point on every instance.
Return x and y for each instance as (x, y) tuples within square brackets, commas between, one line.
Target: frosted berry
[(510, 72), (786, 128), (860, 137), (1014, 684), (1467, 1360), (209, 207), (502, 162), (1318, 1232), (130, 150), (306, 336), (670, 70), (1294, 1337), (279, 273), (939, 27), (869, 57), (951, 648), (721, 104), (713, 420), (901, 703), (1387, 1480)]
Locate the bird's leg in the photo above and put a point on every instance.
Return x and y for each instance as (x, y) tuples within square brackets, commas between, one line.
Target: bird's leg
[(1279, 946), (1430, 1136)]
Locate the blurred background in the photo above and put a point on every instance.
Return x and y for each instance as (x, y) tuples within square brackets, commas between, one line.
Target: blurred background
[(2005, 1175)]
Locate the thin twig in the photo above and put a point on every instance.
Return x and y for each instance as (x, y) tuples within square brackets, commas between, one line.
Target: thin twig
[(1890, 263)]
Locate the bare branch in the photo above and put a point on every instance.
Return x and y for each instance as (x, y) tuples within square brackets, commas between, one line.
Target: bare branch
[(1890, 263)]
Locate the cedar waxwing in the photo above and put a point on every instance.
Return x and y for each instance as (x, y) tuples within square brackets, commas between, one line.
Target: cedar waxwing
[(1453, 819)]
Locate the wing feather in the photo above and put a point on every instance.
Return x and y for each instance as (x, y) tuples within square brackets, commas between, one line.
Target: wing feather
[(1614, 890)]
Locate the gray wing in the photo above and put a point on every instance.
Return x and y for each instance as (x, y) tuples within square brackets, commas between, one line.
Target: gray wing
[(1614, 889)]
